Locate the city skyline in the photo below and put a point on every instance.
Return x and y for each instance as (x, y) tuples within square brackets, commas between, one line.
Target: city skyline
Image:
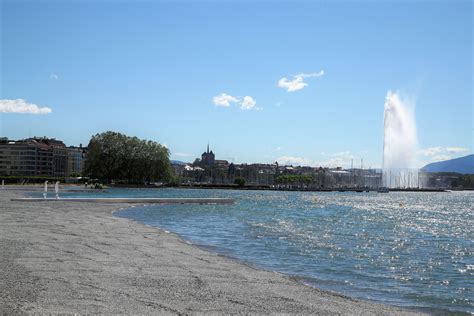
[(299, 83)]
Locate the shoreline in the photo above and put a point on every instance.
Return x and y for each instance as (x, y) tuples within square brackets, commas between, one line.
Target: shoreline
[(303, 280), (81, 258), (67, 187)]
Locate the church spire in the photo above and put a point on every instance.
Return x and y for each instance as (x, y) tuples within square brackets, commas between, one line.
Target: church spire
[(208, 147)]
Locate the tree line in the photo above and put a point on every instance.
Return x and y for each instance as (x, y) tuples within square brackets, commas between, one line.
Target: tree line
[(115, 156), (294, 179)]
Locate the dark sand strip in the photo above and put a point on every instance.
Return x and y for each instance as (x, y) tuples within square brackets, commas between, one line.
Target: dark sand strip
[(59, 257)]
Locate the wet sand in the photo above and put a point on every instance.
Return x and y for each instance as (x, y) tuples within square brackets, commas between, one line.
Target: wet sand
[(59, 257)]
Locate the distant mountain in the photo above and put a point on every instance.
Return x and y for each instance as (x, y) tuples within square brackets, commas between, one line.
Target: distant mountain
[(460, 165), (177, 162)]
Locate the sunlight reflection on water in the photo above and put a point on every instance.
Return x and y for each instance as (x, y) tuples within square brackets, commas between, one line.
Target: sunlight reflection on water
[(403, 248)]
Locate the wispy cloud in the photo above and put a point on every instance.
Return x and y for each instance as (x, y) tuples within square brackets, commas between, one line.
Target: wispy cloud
[(431, 151), (21, 106), (53, 76), (456, 150), (226, 100), (297, 83)]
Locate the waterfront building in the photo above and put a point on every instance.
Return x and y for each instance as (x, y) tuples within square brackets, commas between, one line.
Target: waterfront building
[(24, 158), (76, 160), (60, 156), (256, 174), (223, 164), (33, 157)]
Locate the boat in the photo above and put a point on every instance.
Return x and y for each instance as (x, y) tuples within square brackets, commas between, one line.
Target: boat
[(383, 190)]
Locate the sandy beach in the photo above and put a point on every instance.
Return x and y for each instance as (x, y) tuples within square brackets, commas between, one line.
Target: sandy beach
[(58, 257)]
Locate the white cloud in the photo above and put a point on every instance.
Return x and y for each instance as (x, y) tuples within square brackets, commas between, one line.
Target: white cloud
[(297, 161), (21, 106), (245, 103), (278, 148), (341, 159), (333, 163), (300, 161), (431, 151), (438, 153), (294, 85), (181, 155), (248, 103), (298, 81), (456, 149), (224, 100), (53, 76), (438, 150)]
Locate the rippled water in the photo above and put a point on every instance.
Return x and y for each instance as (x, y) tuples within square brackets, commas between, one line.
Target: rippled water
[(407, 249)]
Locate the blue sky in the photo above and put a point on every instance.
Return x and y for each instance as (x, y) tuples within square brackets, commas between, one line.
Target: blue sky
[(153, 69)]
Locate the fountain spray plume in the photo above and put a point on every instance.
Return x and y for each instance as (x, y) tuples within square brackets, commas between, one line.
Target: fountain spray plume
[(399, 144)]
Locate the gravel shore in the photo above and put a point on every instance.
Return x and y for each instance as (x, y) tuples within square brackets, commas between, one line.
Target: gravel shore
[(59, 257)]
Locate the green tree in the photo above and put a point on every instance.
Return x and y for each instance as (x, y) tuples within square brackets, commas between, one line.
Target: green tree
[(294, 179), (115, 156), (240, 181)]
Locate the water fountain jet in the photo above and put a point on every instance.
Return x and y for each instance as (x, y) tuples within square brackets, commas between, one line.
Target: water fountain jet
[(399, 144)]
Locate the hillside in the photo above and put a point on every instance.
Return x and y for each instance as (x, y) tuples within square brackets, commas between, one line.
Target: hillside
[(460, 165)]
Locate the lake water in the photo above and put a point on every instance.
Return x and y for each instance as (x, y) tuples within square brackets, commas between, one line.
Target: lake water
[(401, 248)]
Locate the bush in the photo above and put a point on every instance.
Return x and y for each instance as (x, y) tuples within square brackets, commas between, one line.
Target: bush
[(239, 181)]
